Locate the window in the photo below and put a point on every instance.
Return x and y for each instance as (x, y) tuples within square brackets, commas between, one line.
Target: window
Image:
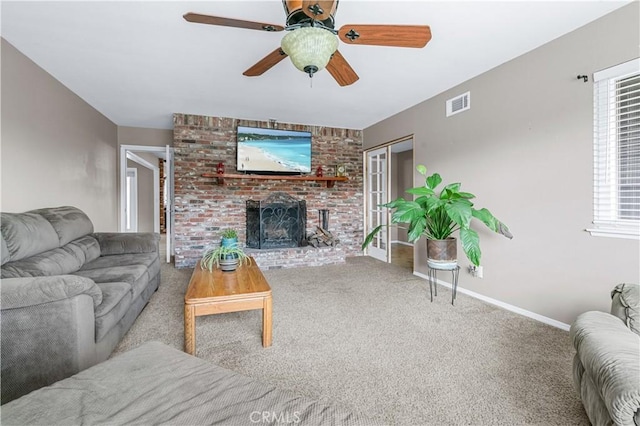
[(617, 151)]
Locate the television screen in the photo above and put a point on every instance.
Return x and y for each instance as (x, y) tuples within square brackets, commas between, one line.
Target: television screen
[(273, 151)]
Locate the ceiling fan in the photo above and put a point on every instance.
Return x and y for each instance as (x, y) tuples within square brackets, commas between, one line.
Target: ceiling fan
[(311, 40)]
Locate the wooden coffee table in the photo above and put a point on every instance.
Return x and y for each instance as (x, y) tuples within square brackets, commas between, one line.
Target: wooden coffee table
[(220, 292)]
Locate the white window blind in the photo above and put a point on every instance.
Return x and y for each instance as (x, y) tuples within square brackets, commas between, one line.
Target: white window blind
[(617, 151)]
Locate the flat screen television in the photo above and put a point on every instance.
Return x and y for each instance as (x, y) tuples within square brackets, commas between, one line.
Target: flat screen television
[(273, 151)]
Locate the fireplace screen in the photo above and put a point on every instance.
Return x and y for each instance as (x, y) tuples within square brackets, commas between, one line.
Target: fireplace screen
[(278, 221)]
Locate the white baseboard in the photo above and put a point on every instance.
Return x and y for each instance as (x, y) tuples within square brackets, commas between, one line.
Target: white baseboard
[(404, 243), (503, 305)]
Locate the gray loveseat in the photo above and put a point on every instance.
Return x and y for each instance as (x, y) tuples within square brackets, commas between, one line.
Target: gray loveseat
[(69, 295), (606, 368)]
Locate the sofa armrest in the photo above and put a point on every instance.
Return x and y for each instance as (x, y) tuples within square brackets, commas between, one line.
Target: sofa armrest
[(610, 355), (28, 291), (48, 331), (625, 304), (127, 243)]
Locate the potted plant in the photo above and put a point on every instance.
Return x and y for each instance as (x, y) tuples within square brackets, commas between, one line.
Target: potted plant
[(437, 215), (229, 237), (227, 258)]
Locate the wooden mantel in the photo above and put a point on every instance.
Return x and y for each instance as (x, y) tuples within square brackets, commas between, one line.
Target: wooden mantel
[(330, 180)]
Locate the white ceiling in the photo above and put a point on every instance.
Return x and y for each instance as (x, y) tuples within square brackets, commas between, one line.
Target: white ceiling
[(139, 62)]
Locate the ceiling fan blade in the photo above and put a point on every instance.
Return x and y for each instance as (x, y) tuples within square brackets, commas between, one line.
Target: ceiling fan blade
[(341, 71), (266, 63), (318, 9), (228, 22), (386, 35)]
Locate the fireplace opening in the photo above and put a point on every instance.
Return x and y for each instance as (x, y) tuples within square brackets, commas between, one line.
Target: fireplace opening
[(279, 221)]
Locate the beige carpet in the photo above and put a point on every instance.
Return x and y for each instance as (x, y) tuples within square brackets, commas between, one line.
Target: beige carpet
[(365, 335)]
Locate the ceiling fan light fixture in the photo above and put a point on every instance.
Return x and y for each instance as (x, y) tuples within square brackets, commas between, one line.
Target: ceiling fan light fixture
[(309, 48)]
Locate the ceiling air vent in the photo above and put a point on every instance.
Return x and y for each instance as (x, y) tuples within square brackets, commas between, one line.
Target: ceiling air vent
[(459, 104)]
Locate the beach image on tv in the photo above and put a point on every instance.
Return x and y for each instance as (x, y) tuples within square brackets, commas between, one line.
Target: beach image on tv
[(272, 150)]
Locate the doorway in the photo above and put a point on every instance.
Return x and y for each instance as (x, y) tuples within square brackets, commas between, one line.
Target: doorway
[(131, 201), (147, 198), (388, 173)]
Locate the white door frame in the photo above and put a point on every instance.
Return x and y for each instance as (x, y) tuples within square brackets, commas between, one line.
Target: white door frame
[(401, 144)]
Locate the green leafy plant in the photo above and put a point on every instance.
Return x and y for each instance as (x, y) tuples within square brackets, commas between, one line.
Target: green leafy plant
[(438, 214), (212, 257), (229, 233)]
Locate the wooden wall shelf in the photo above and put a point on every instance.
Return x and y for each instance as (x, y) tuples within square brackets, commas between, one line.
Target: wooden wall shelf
[(330, 180)]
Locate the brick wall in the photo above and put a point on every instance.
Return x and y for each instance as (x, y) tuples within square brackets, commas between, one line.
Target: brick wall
[(203, 208)]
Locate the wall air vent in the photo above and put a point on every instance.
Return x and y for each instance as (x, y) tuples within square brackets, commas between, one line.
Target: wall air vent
[(459, 104)]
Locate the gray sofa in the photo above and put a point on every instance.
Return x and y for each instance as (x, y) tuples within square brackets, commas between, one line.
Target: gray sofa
[(68, 294), (606, 368)]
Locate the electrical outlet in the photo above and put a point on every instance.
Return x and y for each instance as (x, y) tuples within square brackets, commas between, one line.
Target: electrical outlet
[(475, 271)]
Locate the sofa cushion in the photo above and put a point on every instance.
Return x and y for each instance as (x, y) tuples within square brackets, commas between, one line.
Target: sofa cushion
[(27, 234), (625, 304), (116, 300), (70, 223), (4, 250), (146, 259), (150, 260), (59, 261), (136, 275), (31, 291), (127, 243)]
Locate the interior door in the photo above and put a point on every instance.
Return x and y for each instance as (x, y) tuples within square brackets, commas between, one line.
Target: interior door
[(377, 190)]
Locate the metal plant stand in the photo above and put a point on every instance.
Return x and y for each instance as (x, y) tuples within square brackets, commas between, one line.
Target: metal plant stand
[(432, 274)]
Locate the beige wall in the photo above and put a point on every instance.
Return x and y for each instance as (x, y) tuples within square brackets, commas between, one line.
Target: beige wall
[(401, 180), (525, 150), (56, 149), (144, 136), (145, 193), (393, 192)]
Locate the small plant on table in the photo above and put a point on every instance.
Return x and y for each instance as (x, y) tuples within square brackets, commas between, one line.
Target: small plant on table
[(227, 258)]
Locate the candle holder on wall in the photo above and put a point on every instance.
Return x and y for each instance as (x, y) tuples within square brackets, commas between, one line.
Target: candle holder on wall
[(220, 173)]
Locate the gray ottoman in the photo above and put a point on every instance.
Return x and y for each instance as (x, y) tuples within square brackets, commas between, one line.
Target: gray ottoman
[(156, 384)]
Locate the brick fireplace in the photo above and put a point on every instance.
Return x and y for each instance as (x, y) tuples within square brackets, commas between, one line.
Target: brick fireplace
[(204, 208)]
